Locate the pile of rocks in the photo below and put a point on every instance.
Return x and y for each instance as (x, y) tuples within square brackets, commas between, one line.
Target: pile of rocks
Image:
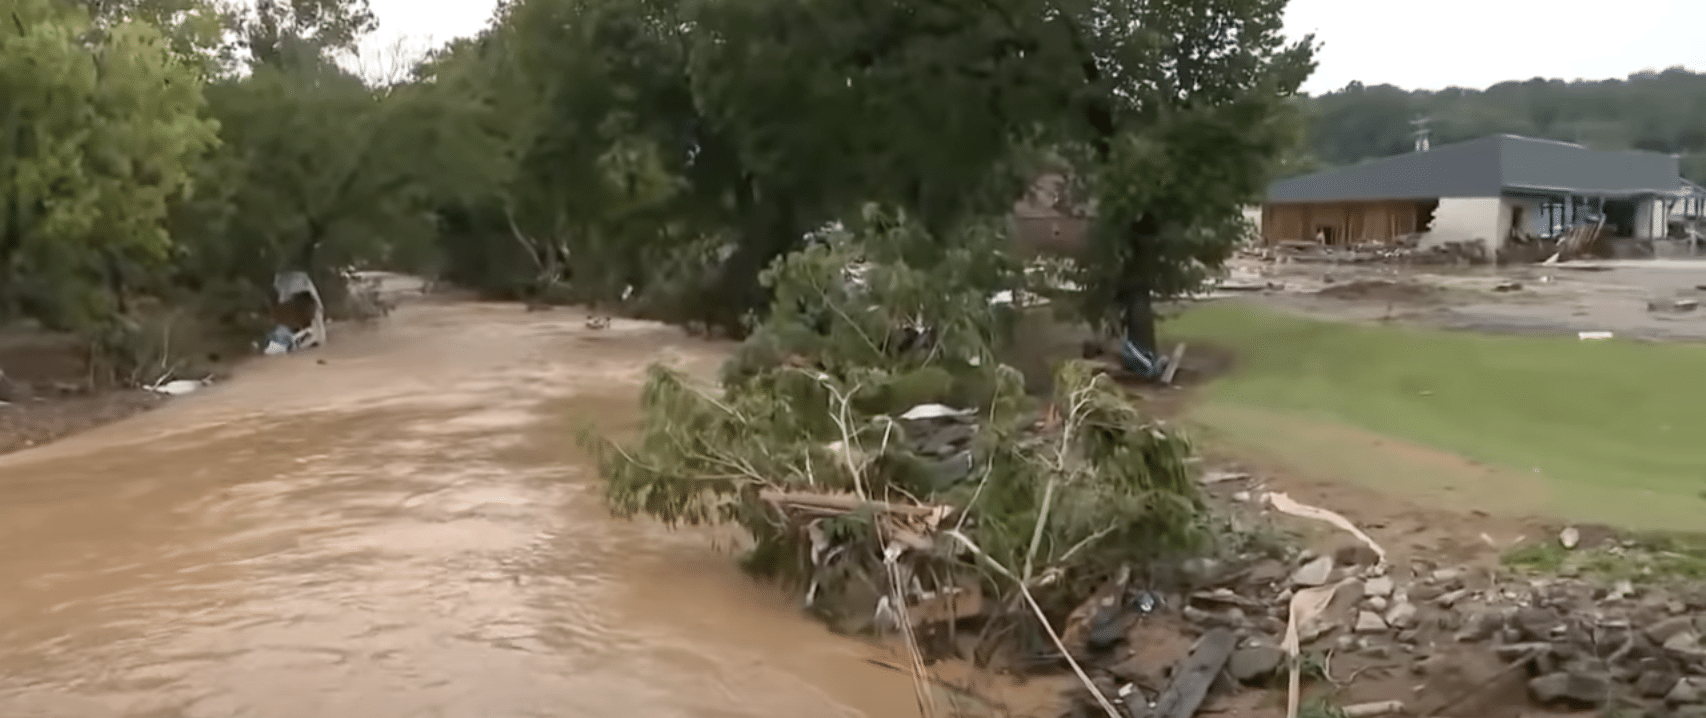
[(1579, 643)]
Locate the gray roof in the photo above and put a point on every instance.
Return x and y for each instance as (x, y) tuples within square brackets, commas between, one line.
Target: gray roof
[(1488, 167)]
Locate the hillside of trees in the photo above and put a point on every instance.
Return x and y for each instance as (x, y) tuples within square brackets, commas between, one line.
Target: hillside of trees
[(169, 156), (1657, 111)]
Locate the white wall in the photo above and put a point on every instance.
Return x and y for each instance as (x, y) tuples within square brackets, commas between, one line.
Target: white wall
[(1652, 218), (1253, 213), (1465, 219), (1508, 207)]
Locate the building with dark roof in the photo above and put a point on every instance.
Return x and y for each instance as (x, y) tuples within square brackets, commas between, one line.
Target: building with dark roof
[(1489, 190)]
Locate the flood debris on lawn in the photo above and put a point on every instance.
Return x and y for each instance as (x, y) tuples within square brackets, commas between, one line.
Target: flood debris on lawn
[(1402, 250), (885, 464), (884, 461)]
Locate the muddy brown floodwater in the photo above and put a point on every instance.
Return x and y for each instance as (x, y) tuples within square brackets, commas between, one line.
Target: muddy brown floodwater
[(400, 525)]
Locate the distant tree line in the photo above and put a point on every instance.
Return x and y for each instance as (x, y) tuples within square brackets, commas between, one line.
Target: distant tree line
[(1656, 111)]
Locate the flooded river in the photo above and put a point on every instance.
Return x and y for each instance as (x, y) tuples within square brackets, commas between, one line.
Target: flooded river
[(400, 525)]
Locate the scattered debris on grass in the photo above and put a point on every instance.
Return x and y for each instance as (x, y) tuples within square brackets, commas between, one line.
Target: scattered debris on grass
[(1405, 250), (885, 464)]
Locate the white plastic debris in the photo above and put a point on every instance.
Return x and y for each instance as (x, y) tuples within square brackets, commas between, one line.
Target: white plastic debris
[(1291, 506), (1592, 336), (287, 285), (934, 411), (179, 387)]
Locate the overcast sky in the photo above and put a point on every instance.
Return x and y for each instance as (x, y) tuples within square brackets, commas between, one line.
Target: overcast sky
[(1431, 45)]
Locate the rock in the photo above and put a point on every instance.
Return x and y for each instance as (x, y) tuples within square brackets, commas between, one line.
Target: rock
[(1448, 575), (1402, 614), (1106, 629), (1355, 554), (1267, 571), (1377, 603), (1537, 624), (1621, 590), (1686, 643), (1254, 663), (1655, 682), (1432, 665), (1690, 690), (1576, 688), (1422, 592), (1204, 571), (1513, 651), (1480, 626), (1314, 573), (1370, 622), (1664, 630), (1380, 586), (1689, 711), (1450, 598)]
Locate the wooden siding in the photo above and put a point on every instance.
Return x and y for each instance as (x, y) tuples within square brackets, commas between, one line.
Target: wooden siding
[(1343, 222)]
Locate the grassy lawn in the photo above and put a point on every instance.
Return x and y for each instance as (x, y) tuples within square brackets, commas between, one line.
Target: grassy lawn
[(1610, 431)]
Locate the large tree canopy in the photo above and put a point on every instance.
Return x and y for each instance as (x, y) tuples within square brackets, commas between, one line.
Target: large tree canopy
[(98, 135), (661, 153), (752, 123)]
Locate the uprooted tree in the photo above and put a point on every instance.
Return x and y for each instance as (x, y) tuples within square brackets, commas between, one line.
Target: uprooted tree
[(831, 441)]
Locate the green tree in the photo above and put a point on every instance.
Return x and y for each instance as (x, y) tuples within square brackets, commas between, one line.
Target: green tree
[(98, 136), (194, 28), (318, 172), (1180, 117), (271, 29)]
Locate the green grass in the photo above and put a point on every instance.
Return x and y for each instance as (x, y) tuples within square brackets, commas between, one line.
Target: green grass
[(1648, 557), (1614, 431)]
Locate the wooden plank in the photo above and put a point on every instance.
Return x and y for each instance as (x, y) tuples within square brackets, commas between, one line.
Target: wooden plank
[(1173, 364), (1193, 676)]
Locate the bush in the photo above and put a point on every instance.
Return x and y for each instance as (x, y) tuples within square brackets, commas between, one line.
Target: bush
[(808, 448)]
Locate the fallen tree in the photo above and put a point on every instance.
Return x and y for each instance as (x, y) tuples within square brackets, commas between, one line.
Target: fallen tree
[(885, 463)]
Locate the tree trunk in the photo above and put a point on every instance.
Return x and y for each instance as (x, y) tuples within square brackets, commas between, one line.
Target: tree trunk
[(1138, 297), (1140, 321), (769, 234)]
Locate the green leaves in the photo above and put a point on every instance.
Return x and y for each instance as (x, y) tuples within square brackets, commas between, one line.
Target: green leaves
[(99, 135)]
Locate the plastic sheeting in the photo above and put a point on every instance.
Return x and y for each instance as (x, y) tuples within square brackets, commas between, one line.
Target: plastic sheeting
[(281, 339)]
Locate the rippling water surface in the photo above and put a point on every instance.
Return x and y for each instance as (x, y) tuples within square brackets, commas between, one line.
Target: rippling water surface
[(400, 525)]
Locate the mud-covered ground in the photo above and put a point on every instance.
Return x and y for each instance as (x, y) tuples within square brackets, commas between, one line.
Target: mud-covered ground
[(1640, 299)]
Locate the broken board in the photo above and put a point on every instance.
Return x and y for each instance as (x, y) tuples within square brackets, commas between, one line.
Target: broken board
[(1192, 678)]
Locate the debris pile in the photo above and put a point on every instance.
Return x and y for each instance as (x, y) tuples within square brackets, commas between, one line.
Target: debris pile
[(1579, 240), (883, 460), (1405, 250), (1566, 643)]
